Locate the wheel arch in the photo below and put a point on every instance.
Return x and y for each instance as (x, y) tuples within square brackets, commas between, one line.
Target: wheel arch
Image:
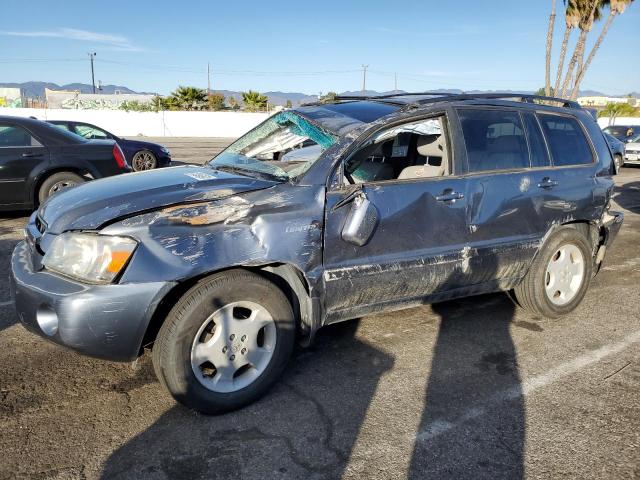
[(42, 177), (288, 278)]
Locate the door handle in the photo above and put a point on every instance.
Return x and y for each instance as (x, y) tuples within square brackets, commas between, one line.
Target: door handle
[(449, 196), (547, 183), (31, 155)]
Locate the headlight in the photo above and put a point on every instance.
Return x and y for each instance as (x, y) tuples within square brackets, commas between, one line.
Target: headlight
[(88, 256)]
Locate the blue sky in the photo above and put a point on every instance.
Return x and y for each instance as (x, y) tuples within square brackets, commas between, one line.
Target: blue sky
[(302, 46)]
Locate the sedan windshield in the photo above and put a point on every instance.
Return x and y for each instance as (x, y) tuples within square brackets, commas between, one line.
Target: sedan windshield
[(281, 148)]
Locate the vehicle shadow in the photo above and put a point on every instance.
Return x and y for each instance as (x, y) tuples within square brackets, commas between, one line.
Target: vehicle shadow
[(306, 427), (472, 424), (628, 196)]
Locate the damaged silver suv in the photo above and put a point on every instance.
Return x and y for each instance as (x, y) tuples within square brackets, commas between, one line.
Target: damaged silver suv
[(320, 214)]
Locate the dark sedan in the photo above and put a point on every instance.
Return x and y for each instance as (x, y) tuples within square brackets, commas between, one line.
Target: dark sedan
[(37, 160), (140, 155)]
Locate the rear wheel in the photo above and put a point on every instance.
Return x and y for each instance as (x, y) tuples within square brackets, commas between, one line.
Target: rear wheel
[(559, 276), (225, 343), (56, 183), (144, 160)]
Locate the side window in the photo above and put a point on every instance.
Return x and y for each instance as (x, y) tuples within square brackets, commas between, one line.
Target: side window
[(15, 136), (537, 147), (494, 139), (566, 140), (61, 126), (91, 133), (410, 151)]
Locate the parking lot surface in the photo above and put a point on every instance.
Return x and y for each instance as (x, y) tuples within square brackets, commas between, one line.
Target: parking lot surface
[(473, 388)]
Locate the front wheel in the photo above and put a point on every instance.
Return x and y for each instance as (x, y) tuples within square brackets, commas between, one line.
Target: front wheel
[(619, 162), (559, 276), (225, 343)]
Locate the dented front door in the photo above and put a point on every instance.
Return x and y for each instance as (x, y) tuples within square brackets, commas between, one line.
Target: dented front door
[(393, 242)]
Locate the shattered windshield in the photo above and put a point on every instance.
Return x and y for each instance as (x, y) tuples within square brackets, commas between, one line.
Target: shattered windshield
[(282, 147)]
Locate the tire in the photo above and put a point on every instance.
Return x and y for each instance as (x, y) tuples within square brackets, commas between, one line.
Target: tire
[(619, 162), (144, 160), (537, 292), (56, 183), (212, 304)]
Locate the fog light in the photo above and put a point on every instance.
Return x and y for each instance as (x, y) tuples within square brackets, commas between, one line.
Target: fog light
[(47, 320)]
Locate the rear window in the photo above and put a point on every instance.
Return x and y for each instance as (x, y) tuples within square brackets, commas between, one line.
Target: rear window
[(494, 139), (566, 139), (14, 136)]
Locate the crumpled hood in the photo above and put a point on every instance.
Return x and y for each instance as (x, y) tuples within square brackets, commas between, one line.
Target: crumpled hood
[(91, 205)]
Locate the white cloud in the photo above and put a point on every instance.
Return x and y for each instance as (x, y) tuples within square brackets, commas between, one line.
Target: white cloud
[(113, 42)]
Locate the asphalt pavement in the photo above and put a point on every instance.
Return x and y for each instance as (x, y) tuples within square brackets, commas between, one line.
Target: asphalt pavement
[(473, 388)]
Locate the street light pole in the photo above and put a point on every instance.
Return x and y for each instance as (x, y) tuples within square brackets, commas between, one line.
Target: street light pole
[(93, 80)]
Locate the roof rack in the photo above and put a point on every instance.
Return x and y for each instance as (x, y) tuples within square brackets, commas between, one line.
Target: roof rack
[(523, 97), (440, 96)]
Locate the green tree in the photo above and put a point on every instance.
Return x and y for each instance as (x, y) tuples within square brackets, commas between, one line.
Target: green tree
[(588, 12), (189, 98), (613, 110), (254, 101), (571, 19), (216, 101), (543, 92), (288, 104), (330, 97), (616, 7)]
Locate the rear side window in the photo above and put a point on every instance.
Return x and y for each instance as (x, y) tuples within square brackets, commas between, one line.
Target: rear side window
[(566, 140), (14, 136), (537, 148), (494, 139)]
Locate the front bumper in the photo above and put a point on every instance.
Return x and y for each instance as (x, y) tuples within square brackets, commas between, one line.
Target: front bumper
[(104, 321), (632, 158)]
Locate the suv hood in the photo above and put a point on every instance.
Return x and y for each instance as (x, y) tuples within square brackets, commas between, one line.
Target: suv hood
[(91, 205)]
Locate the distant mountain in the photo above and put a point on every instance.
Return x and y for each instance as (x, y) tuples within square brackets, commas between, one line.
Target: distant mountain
[(36, 89)]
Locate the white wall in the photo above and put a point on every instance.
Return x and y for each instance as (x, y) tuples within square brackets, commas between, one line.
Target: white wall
[(152, 124), (604, 121)]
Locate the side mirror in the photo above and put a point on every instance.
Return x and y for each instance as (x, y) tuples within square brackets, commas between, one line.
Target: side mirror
[(361, 221)]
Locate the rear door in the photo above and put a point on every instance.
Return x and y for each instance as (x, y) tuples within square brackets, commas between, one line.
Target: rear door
[(569, 187), (506, 160), (20, 154)]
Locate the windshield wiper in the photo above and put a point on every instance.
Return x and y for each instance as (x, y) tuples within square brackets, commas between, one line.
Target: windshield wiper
[(249, 173)]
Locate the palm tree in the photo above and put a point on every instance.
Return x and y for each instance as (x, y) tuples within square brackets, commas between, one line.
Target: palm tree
[(613, 110), (547, 76), (254, 101), (190, 98), (589, 12), (571, 19), (616, 7)]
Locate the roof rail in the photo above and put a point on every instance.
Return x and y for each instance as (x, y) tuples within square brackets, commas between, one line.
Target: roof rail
[(440, 96), (523, 97)]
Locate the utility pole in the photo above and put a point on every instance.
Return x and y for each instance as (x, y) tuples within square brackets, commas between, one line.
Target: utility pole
[(395, 82), (208, 79), (93, 80), (364, 78)]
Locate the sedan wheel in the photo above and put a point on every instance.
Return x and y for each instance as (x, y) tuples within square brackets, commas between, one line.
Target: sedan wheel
[(144, 160)]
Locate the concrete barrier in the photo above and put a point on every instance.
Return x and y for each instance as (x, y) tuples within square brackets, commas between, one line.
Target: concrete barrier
[(152, 124), (604, 121)]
